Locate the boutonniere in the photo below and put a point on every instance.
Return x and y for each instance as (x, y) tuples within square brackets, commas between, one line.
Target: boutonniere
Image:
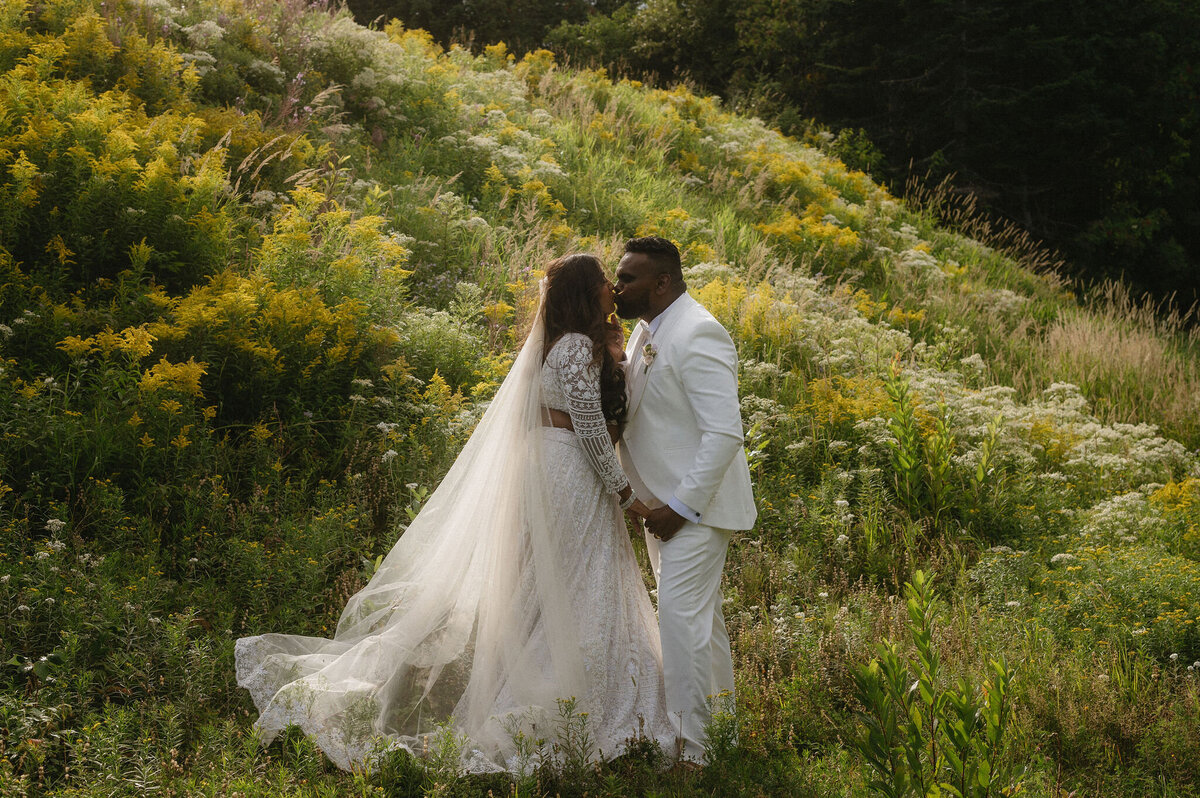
[(648, 353)]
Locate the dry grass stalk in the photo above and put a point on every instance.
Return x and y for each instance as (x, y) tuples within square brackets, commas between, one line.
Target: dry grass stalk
[(1128, 355), (959, 211)]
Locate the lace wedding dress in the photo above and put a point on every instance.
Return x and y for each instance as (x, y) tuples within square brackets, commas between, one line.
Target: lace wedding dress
[(619, 632), (514, 588)]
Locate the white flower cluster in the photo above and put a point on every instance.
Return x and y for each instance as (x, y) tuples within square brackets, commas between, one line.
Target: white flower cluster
[(756, 374), (204, 33), (1125, 518), (704, 273), (1118, 456), (761, 411), (917, 267), (203, 61)]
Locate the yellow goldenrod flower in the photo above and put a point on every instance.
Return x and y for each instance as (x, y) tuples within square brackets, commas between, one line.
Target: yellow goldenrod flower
[(75, 346), (181, 377)]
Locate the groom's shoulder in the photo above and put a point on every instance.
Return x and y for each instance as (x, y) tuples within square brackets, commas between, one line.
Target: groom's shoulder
[(701, 321), (699, 328)]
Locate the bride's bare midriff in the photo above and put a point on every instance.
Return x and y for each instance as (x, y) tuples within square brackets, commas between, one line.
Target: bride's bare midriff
[(562, 420)]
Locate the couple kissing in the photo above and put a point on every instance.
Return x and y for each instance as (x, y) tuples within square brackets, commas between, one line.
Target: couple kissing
[(516, 586)]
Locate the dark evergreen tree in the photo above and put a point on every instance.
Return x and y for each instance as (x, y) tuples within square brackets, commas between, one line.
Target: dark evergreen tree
[(1074, 118), (521, 24)]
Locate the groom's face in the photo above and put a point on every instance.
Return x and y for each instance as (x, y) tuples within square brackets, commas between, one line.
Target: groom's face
[(638, 281)]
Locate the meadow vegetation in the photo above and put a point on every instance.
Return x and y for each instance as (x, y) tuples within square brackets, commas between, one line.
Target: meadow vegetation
[(262, 269)]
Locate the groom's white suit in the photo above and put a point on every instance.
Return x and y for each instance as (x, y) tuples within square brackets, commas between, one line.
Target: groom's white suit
[(682, 446)]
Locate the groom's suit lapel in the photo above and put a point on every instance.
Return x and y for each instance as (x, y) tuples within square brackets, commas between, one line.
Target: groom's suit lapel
[(641, 370), (636, 376)]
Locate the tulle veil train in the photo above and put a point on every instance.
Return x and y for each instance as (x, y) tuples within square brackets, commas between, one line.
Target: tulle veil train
[(468, 617)]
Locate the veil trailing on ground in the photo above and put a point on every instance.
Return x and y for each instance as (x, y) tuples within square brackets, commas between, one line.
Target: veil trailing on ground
[(468, 617)]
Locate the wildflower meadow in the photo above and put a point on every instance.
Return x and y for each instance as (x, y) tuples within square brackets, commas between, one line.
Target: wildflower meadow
[(262, 268)]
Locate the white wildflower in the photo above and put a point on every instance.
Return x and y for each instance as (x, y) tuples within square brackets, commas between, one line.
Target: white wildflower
[(389, 455), (1061, 557), (974, 363), (54, 526)]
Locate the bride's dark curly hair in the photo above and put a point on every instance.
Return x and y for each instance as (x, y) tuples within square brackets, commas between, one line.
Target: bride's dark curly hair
[(572, 304)]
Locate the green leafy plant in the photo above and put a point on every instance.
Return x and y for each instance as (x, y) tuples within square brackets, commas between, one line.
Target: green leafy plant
[(921, 737)]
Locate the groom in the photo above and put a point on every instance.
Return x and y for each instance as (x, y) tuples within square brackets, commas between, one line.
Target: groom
[(682, 450)]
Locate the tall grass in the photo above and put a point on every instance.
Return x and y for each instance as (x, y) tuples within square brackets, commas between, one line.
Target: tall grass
[(1128, 355)]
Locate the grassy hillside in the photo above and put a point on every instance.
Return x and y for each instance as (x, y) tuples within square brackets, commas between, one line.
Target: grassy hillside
[(262, 269)]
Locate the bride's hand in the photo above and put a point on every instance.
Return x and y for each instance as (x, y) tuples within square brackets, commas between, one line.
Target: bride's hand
[(635, 513), (636, 520), (638, 510)]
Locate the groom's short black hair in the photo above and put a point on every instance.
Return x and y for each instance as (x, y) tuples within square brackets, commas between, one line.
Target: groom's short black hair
[(664, 254)]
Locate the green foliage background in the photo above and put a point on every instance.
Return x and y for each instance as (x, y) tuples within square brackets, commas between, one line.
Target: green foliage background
[(261, 268), (1077, 121)]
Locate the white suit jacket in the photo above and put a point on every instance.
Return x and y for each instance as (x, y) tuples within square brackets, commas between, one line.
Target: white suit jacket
[(683, 431)]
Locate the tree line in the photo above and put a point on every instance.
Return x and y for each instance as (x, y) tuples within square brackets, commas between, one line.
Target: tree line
[(1075, 119)]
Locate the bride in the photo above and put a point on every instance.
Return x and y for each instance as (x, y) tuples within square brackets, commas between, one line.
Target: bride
[(514, 588)]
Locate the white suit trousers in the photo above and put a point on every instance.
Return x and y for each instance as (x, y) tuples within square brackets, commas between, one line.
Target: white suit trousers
[(697, 662)]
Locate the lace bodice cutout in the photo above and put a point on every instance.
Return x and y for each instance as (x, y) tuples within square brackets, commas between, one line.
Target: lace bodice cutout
[(571, 382)]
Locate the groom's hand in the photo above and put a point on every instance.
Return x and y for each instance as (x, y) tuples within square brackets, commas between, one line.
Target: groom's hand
[(663, 523)]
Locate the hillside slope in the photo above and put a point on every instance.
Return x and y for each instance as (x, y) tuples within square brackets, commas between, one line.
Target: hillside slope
[(262, 268)]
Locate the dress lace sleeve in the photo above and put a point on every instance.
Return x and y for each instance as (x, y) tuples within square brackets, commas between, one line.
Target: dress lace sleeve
[(580, 381)]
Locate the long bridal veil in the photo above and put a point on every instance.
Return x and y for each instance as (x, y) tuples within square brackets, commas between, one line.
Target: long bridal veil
[(467, 618)]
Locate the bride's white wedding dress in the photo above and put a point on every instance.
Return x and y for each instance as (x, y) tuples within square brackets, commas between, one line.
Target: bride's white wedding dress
[(515, 587)]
